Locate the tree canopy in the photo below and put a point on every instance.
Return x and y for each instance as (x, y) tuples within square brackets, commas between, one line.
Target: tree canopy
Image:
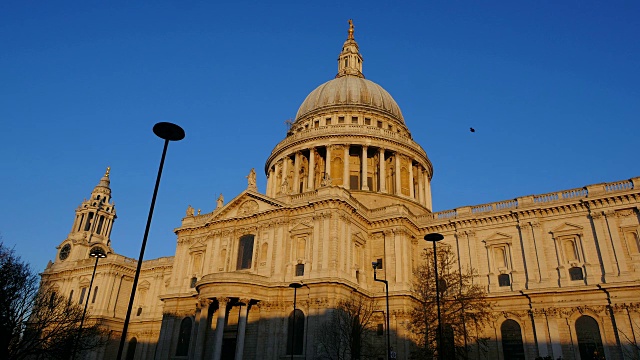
[(37, 322), (463, 306)]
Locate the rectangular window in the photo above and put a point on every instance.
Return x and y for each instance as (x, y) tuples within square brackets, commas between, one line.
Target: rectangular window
[(245, 252), (504, 280), (367, 121), (316, 124), (299, 269), (95, 293), (380, 124), (379, 264), (354, 181), (354, 119), (380, 330), (327, 121), (340, 119), (575, 273)]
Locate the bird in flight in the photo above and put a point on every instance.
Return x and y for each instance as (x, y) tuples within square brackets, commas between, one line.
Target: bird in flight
[(472, 129)]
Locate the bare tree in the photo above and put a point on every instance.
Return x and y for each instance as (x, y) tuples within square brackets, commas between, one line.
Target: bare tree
[(349, 333), (463, 307), (36, 322)]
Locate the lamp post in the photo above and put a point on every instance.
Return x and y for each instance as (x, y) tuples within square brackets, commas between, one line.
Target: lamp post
[(386, 284), (295, 287), (434, 238), (97, 253), (168, 132)]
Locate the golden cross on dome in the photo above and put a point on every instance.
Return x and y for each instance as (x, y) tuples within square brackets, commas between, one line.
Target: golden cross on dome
[(350, 29)]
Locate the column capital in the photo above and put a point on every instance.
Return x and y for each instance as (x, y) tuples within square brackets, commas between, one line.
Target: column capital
[(223, 301), (203, 303), (244, 301)]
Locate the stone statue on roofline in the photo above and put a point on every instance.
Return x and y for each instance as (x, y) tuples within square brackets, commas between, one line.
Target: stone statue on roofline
[(220, 201), (251, 180), (190, 211)]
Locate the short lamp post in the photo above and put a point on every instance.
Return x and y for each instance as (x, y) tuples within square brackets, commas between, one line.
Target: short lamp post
[(434, 238), (98, 253), (167, 132), (375, 265), (295, 287)]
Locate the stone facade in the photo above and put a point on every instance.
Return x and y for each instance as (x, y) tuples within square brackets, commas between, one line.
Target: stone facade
[(348, 186)]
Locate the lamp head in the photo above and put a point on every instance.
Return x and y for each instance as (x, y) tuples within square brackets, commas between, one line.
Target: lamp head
[(375, 265), (168, 131), (97, 252), (433, 237)]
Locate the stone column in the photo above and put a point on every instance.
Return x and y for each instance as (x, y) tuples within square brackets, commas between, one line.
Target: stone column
[(345, 173), (202, 317), (276, 186), (411, 190), (540, 323), (296, 174), (242, 326), (397, 179), (312, 168), (383, 174), (611, 222), (365, 185), (420, 185), (270, 184), (222, 314), (327, 162), (427, 191), (285, 171)]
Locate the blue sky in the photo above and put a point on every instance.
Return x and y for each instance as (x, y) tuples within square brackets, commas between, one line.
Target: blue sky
[(551, 87)]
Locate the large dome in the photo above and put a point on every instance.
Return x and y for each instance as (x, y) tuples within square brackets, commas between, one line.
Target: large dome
[(351, 91)]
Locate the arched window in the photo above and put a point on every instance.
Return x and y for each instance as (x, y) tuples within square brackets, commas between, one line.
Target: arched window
[(131, 350), (589, 340), (512, 346), (184, 337), (298, 334)]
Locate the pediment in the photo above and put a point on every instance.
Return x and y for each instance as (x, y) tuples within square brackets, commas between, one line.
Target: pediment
[(497, 238), (359, 239), (248, 203), (301, 228), (567, 229), (197, 246)]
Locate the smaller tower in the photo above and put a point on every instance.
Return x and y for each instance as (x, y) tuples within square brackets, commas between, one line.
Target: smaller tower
[(350, 60), (93, 222)]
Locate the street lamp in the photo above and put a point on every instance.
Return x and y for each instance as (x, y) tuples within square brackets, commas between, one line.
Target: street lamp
[(97, 253), (375, 265), (168, 132), (295, 287), (434, 238)]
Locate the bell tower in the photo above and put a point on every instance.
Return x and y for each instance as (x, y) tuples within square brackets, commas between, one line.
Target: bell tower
[(94, 217), (92, 225)]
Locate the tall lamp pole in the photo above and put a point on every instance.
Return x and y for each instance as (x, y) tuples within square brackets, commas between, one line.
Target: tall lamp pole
[(97, 253), (295, 287), (386, 284), (434, 238), (168, 132)]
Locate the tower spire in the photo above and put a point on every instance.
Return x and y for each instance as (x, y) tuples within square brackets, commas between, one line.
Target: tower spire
[(350, 60), (94, 217)]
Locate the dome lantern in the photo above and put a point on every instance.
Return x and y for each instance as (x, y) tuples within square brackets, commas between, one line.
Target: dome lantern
[(350, 60)]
